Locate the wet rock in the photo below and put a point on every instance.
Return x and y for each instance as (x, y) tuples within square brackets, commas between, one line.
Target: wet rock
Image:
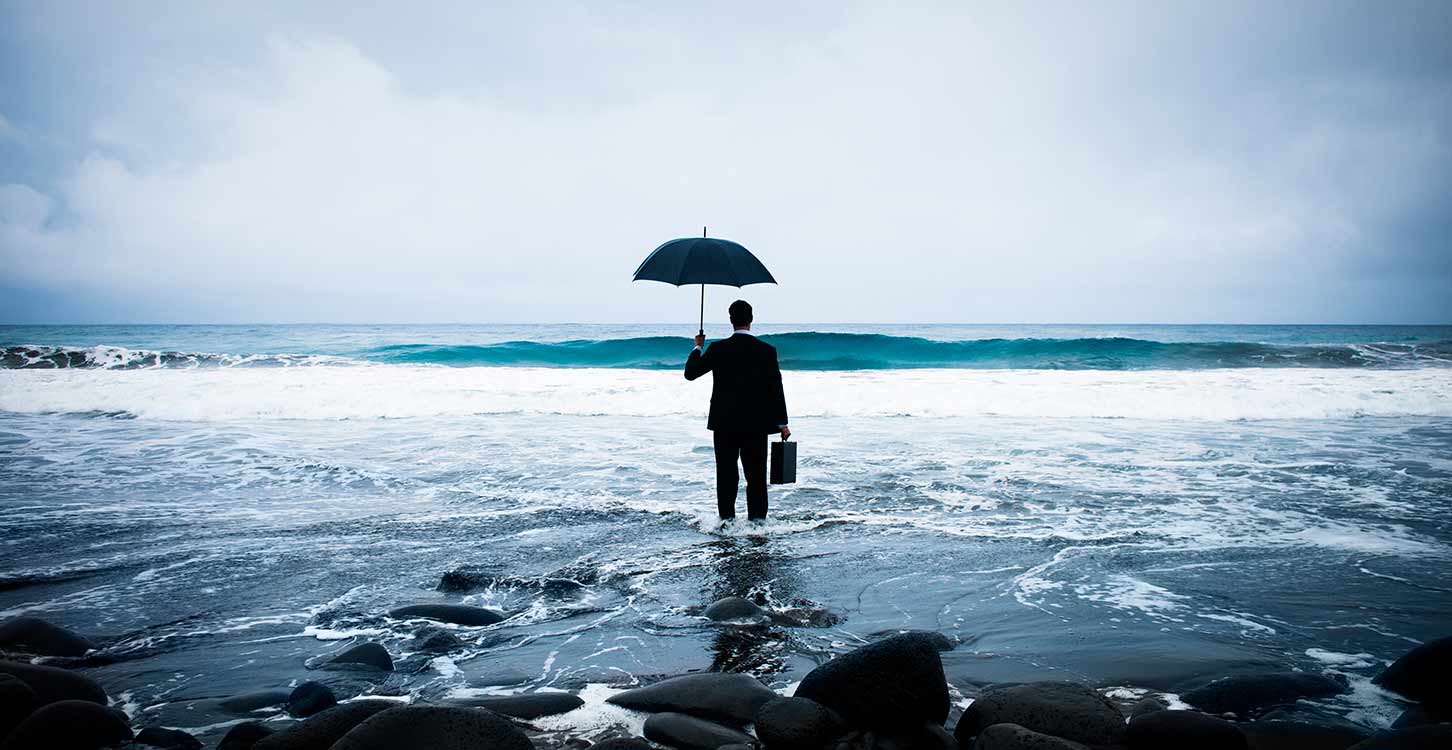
[(464, 580), (17, 701), (246, 703), (1015, 737), (1183, 730), (716, 695), (1430, 737), (623, 743), (51, 684), (692, 733), (1245, 695), (796, 724), (310, 698), (732, 608), (524, 705), (322, 730), (1422, 674), (459, 614), (1062, 709), (70, 724), (929, 736), (1147, 705), (37, 636), (434, 728), (172, 739), (895, 682), (244, 736), (564, 582), (436, 640), (1279, 734), (1416, 716), (366, 655), (938, 640), (805, 617)]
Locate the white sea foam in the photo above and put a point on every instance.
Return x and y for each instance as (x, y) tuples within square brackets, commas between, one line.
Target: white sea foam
[(401, 391)]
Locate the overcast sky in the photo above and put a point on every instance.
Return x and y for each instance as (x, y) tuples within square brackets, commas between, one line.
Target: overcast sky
[(892, 162)]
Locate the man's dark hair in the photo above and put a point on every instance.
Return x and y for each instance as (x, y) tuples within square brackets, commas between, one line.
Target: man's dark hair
[(740, 313)]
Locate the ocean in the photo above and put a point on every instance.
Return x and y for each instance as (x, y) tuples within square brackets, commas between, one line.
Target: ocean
[(1142, 507)]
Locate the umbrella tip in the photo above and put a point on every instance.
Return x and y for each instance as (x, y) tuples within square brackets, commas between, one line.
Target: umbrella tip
[(703, 232)]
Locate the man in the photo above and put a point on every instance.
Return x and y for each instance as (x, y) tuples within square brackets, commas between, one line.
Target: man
[(747, 404)]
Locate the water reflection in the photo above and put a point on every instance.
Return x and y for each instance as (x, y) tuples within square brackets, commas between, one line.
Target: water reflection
[(751, 568)]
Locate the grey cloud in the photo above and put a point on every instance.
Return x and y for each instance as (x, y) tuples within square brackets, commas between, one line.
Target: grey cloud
[(1114, 162)]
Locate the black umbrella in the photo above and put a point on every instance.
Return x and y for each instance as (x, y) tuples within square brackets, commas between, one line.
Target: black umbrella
[(703, 260)]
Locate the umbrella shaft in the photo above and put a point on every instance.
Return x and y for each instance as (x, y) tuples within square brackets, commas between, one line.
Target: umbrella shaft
[(703, 310)]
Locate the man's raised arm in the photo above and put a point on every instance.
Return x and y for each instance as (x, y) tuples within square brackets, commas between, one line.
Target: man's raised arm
[(698, 363)]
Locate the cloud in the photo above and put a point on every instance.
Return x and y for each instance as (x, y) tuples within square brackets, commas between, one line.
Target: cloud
[(9, 132), (945, 164)]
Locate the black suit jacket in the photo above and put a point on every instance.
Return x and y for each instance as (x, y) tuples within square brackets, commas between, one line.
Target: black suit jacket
[(746, 394)]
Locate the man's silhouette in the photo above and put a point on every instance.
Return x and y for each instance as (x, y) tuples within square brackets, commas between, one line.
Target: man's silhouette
[(747, 404)]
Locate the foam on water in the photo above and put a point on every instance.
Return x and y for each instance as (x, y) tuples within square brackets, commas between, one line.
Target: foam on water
[(386, 391)]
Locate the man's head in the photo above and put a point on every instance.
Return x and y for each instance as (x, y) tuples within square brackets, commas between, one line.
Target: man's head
[(740, 314)]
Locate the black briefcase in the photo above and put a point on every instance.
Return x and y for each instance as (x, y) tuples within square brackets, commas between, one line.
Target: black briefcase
[(783, 462)]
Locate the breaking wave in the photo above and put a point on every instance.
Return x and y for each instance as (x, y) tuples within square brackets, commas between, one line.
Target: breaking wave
[(798, 351)]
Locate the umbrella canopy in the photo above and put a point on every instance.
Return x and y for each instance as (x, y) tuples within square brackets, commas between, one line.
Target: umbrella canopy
[(703, 260)]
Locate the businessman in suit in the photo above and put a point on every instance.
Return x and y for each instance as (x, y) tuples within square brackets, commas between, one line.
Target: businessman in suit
[(747, 405)]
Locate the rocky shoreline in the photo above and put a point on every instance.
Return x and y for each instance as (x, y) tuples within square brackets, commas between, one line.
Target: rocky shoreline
[(890, 694)]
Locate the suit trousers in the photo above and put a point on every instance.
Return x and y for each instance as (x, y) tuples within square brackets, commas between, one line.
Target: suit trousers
[(750, 448)]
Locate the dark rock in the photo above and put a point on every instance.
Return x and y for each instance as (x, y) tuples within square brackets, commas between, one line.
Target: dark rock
[(1430, 737), (562, 582), (52, 684), (1244, 695), (365, 654), (1422, 674), (623, 743), (938, 640), (1147, 705), (524, 705), (691, 733), (327, 727), (939, 738), (459, 614), (1279, 734), (244, 736), (434, 728), (37, 636), (929, 736), (716, 695), (805, 617), (1416, 716), (1183, 730), (464, 580), (70, 724), (1306, 713), (1015, 737), (246, 703), (17, 701), (1062, 709), (436, 640), (310, 698), (732, 608), (173, 739), (797, 724), (895, 682)]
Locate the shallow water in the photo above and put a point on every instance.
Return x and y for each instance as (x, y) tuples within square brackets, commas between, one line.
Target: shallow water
[(223, 528)]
